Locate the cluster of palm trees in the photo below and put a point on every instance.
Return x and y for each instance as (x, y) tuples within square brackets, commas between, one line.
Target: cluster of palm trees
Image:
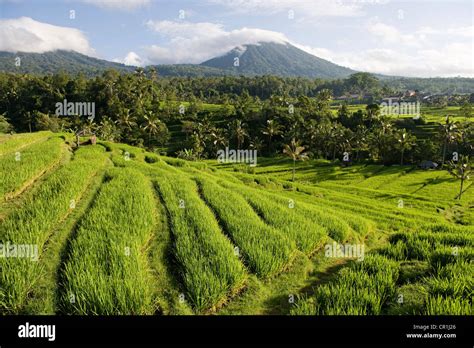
[(324, 137)]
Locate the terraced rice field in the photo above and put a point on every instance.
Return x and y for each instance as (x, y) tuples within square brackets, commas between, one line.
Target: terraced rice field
[(111, 229)]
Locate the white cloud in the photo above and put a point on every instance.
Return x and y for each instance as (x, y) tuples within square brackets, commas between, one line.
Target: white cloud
[(197, 42), (416, 53), (389, 34), (300, 8), (24, 34), (131, 59), (450, 60), (124, 5), (459, 31)]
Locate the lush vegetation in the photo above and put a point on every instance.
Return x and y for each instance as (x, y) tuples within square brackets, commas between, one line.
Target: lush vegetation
[(107, 269), (234, 239), (34, 222), (261, 113), (111, 225)]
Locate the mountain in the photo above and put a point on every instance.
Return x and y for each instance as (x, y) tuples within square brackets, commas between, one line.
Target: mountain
[(260, 59), (52, 62), (277, 59)]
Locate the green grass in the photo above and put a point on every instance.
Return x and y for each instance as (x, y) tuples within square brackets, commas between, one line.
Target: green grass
[(107, 271), (360, 289), (266, 250), (34, 222), (19, 171), (209, 238), (209, 269), (19, 141)]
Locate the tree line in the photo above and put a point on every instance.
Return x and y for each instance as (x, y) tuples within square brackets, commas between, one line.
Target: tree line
[(268, 114)]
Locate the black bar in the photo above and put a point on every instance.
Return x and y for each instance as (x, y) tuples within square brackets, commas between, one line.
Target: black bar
[(242, 330)]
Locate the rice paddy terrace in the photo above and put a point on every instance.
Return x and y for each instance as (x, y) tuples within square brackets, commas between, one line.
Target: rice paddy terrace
[(118, 230)]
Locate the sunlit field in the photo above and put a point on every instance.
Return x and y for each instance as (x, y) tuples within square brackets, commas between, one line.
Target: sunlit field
[(120, 230)]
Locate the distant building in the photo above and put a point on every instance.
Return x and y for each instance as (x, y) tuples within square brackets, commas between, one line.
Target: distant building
[(410, 93)]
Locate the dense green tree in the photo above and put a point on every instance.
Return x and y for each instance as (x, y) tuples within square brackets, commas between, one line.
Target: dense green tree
[(5, 126)]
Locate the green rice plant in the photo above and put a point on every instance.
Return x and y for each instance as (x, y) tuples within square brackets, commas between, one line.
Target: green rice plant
[(20, 170), (107, 269), (443, 255), (19, 141), (336, 226), (303, 305), (33, 223), (440, 305), (395, 250), (411, 246), (361, 289), (452, 280), (208, 265), (307, 234), (265, 250)]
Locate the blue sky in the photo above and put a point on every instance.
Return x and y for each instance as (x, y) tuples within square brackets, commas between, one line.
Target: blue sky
[(411, 38)]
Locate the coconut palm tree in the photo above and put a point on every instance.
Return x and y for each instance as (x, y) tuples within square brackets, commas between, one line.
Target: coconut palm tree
[(405, 141), (337, 138), (359, 139), (219, 139), (151, 125), (461, 170), (272, 129), (449, 132), (126, 122), (296, 152), (239, 132), (256, 144)]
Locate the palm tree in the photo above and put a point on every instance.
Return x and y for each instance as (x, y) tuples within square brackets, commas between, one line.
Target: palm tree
[(359, 140), (256, 144), (337, 138), (126, 122), (219, 139), (152, 125), (461, 170), (271, 130), (239, 132), (449, 132), (405, 141), (295, 151)]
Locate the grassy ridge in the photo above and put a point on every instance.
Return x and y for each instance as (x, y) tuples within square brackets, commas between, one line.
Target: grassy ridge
[(211, 222), (35, 221), (208, 267), (307, 234), (19, 141), (33, 160), (361, 289), (338, 225), (266, 250), (107, 271)]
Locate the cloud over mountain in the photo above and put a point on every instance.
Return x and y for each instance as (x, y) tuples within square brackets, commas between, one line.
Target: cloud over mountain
[(196, 42), (24, 34)]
